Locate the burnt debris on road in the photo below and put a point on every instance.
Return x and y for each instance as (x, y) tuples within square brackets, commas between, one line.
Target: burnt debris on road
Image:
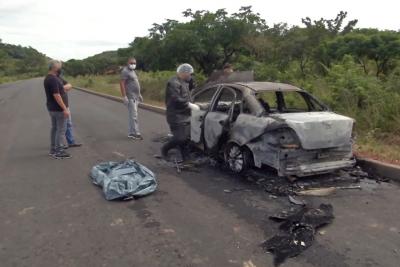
[(297, 231), (300, 221)]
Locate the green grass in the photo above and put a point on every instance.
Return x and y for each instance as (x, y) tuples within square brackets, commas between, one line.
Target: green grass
[(152, 85), (104, 84), (14, 78), (385, 148)]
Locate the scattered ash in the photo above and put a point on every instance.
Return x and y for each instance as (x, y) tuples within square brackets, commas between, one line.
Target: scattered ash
[(285, 186), (297, 231), (194, 161)]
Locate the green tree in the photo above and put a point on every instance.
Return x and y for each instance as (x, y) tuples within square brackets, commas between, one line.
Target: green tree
[(383, 47)]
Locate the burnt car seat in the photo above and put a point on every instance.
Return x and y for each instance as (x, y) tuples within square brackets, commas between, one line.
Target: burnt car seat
[(265, 105)]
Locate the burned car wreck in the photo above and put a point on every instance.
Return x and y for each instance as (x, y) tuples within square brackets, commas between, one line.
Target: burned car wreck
[(263, 123)]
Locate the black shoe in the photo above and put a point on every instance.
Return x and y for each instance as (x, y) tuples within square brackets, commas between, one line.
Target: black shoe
[(62, 155), (75, 145)]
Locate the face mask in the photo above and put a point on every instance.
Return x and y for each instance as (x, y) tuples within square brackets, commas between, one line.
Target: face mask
[(190, 78), (132, 66)]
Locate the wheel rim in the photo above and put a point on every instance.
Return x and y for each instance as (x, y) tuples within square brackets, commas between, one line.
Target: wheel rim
[(235, 159)]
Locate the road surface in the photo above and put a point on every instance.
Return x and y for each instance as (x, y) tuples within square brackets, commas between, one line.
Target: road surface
[(52, 215)]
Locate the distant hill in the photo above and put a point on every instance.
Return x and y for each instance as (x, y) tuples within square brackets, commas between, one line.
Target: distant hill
[(104, 63), (16, 60)]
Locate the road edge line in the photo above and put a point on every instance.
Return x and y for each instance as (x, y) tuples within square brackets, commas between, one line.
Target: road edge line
[(153, 108), (376, 167)]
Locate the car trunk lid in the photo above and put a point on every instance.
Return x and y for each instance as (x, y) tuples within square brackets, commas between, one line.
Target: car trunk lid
[(318, 130)]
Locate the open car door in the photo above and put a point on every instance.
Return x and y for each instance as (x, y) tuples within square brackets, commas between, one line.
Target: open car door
[(196, 125), (217, 120), (204, 100)]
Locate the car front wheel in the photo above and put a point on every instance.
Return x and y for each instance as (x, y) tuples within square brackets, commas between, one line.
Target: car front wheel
[(237, 158)]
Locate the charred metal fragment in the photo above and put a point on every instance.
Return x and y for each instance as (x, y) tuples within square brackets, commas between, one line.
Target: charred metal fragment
[(297, 231)]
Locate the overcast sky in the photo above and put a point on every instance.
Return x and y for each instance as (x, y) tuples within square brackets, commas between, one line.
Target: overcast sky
[(81, 28)]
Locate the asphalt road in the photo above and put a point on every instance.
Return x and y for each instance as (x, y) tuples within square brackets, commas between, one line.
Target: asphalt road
[(52, 215)]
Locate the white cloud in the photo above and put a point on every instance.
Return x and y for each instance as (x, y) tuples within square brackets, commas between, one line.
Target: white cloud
[(81, 28)]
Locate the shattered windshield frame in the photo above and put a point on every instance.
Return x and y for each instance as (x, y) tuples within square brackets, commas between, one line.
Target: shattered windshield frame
[(288, 102)]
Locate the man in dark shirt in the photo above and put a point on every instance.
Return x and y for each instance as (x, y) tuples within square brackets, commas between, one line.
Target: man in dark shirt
[(57, 105), (177, 101)]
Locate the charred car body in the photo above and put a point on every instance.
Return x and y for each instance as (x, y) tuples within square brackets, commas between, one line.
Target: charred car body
[(279, 125)]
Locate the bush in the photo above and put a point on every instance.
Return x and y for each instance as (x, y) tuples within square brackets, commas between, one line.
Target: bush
[(373, 102)]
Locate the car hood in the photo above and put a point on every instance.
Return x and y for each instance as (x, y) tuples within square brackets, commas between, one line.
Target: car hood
[(317, 130)]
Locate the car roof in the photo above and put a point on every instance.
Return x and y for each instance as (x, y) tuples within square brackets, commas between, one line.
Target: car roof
[(269, 86)]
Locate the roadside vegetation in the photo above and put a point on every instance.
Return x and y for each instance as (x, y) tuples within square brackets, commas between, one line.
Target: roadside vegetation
[(152, 84), (18, 63)]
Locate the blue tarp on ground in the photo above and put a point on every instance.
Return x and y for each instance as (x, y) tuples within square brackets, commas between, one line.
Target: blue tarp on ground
[(121, 180)]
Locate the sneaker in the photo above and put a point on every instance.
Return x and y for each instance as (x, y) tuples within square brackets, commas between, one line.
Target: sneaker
[(75, 145), (138, 136), (62, 155), (64, 146), (135, 136), (52, 153)]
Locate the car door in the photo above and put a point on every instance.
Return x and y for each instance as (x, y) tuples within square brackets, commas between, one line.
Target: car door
[(204, 100), (217, 120)]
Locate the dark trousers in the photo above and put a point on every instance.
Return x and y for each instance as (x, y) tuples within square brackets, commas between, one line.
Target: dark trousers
[(179, 140), (57, 131)]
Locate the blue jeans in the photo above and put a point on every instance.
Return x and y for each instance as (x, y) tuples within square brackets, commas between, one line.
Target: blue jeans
[(68, 131)]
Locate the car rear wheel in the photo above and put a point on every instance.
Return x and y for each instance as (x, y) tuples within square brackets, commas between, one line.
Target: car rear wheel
[(237, 158)]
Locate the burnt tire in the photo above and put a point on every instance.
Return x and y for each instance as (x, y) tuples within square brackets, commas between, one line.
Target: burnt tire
[(238, 158)]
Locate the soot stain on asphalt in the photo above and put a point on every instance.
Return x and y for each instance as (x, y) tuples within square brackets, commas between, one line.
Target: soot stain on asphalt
[(318, 253), (211, 182), (152, 224), (159, 195), (145, 215), (140, 209), (236, 193)]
